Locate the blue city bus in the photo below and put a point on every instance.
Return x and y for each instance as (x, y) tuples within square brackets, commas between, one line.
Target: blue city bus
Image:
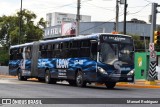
[(97, 58)]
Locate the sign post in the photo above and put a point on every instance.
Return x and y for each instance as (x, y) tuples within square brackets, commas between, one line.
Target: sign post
[(151, 47), (152, 65)]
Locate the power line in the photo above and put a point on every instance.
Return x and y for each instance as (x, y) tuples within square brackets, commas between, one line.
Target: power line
[(100, 7), (114, 18), (61, 6), (140, 9), (100, 24)]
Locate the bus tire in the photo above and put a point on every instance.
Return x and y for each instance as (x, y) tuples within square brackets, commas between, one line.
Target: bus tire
[(80, 79), (110, 85), (48, 78), (20, 77)]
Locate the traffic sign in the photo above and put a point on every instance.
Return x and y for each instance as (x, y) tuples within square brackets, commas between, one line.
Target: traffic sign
[(151, 46), (153, 56)]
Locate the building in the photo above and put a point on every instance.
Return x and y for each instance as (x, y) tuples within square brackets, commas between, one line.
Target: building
[(57, 18), (134, 20), (141, 29)]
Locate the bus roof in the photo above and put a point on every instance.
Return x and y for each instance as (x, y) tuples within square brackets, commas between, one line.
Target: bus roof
[(21, 45), (91, 36)]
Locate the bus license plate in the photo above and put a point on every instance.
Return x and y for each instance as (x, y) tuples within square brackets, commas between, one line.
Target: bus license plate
[(129, 79)]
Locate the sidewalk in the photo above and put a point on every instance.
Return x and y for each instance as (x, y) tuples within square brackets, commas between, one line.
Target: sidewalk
[(139, 84)]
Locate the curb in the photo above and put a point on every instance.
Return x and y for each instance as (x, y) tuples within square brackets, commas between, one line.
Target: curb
[(137, 86), (7, 76)]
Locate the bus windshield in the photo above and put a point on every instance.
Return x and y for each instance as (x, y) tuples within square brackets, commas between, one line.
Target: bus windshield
[(111, 52)]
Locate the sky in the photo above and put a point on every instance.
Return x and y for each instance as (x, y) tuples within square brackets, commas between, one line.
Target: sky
[(99, 10)]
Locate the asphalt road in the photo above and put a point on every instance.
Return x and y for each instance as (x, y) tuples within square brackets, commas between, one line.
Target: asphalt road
[(12, 88)]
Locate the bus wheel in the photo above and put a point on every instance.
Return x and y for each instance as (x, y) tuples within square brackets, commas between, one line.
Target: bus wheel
[(20, 77), (80, 79), (110, 85), (48, 78)]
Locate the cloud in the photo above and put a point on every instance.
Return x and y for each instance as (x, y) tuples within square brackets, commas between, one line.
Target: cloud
[(100, 10), (8, 8)]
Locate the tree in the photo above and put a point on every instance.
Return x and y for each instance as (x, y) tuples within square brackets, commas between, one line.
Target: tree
[(3, 57), (139, 43), (10, 30)]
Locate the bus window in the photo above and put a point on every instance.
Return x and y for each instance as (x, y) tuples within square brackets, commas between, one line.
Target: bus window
[(126, 53), (57, 46), (11, 54), (74, 49), (66, 45), (43, 52), (109, 53), (85, 43), (15, 54), (94, 50), (49, 47), (49, 51), (19, 53), (28, 53), (56, 51), (65, 52), (85, 48)]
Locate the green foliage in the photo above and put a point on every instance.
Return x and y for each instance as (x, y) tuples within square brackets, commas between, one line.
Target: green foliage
[(3, 56), (140, 43), (10, 30)]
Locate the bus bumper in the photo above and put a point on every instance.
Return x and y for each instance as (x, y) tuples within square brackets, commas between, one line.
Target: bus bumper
[(121, 78), (117, 78)]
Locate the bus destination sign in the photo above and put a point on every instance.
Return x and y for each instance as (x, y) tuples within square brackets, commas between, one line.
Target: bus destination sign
[(115, 38)]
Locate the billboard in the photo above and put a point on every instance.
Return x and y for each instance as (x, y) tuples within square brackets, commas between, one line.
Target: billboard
[(68, 28)]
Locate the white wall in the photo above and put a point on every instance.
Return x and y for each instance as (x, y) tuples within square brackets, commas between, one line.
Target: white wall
[(4, 70)]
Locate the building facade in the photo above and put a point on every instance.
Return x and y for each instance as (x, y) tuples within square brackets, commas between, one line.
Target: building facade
[(102, 27), (57, 18)]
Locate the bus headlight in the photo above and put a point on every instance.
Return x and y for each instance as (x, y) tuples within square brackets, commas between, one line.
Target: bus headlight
[(101, 70), (131, 72)]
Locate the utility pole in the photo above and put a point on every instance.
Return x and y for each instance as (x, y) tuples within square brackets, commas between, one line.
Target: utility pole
[(125, 12), (153, 20), (117, 15), (78, 17), (151, 75), (20, 25)]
